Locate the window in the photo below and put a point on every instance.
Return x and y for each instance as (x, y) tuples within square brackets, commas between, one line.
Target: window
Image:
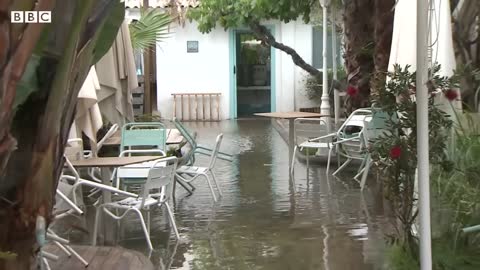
[(317, 39)]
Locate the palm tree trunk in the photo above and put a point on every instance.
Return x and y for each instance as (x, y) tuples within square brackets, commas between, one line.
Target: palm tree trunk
[(359, 48), (384, 15)]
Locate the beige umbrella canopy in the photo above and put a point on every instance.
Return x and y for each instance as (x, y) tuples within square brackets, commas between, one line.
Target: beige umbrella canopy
[(404, 46), (117, 76), (88, 119)]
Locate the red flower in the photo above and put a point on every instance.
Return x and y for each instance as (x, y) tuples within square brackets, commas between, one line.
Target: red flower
[(451, 94), (352, 91), (395, 152)]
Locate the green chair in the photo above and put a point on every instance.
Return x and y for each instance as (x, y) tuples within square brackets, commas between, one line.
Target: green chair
[(143, 135), (196, 148)]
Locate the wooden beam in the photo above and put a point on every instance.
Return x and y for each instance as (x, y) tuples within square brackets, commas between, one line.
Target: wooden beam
[(147, 93)]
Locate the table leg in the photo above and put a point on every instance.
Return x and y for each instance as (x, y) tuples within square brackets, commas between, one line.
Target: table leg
[(107, 228), (290, 141)]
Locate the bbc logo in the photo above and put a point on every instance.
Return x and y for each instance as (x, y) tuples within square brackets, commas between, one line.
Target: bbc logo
[(31, 17)]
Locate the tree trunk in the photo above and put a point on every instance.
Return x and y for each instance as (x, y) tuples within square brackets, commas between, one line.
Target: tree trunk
[(359, 48), (264, 35), (466, 41), (40, 125), (384, 15)]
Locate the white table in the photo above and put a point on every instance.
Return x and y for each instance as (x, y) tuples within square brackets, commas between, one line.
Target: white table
[(105, 164)]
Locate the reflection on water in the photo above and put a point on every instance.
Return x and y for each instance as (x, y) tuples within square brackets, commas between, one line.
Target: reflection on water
[(261, 222)]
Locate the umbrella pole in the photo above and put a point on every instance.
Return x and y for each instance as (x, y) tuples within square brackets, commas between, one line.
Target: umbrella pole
[(422, 136)]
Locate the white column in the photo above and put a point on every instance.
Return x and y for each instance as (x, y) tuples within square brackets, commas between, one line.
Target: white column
[(422, 136), (325, 105)]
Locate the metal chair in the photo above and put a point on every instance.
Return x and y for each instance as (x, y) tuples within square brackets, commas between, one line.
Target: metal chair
[(196, 147), (76, 181), (135, 173), (148, 135), (189, 173), (306, 129), (156, 191)]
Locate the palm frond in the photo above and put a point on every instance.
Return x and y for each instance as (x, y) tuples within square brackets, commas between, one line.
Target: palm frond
[(152, 27)]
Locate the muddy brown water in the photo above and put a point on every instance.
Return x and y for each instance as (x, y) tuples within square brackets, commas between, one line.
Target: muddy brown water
[(264, 219)]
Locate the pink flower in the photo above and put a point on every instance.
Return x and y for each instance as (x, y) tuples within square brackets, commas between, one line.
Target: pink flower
[(395, 152), (451, 94), (352, 91)]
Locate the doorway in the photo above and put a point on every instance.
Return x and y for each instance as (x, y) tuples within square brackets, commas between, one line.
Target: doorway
[(253, 90)]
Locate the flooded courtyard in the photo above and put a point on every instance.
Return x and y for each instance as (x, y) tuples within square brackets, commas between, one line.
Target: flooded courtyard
[(264, 219)]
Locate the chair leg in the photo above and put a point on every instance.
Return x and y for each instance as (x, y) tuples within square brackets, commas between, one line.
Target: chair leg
[(98, 216), (216, 183), (148, 221), (172, 220), (80, 258), (368, 164), (343, 166), (211, 188), (360, 172), (144, 227), (329, 159), (45, 264), (292, 165), (178, 179), (308, 159)]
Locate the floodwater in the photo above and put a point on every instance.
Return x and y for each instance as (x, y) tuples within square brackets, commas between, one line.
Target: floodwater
[(264, 219)]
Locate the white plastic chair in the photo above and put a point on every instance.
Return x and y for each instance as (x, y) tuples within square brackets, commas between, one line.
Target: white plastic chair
[(188, 173), (77, 181), (135, 173), (156, 191), (306, 129)]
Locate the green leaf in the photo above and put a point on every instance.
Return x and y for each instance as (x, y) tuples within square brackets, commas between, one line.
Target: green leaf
[(109, 30), (150, 29), (29, 81)]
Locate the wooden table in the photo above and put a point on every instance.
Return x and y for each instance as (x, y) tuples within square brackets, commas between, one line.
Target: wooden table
[(173, 137), (291, 116), (105, 163)]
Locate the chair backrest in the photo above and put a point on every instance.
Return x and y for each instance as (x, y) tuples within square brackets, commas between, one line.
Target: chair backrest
[(138, 135), (354, 123), (354, 148), (189, 159), (216, 149), (160, 180), (309, 128), (377, 124), (183, 130)]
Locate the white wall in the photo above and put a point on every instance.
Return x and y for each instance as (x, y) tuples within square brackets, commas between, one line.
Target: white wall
[(304, 46), (204, 72), (209, 69)]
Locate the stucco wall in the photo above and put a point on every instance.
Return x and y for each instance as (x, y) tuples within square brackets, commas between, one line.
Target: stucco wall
[(209, 69), (204, 72)]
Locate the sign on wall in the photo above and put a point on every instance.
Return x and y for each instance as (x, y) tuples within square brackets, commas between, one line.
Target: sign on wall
[(192, 46)]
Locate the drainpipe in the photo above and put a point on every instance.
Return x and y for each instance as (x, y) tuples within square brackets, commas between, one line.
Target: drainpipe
[(325, 105)]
